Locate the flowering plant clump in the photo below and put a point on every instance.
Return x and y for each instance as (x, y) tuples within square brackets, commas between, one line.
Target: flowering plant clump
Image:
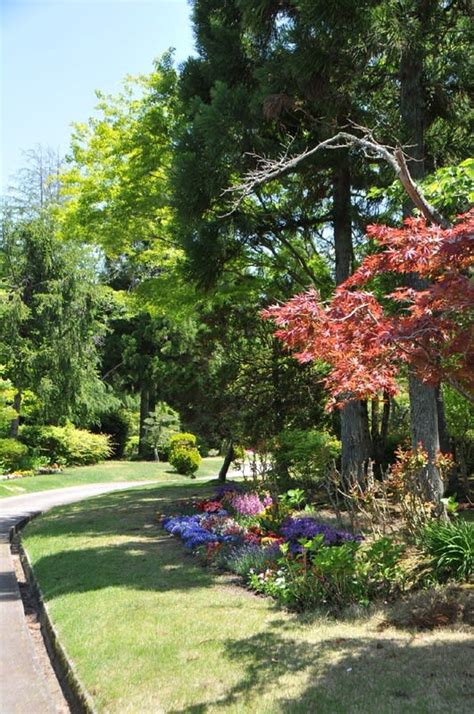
[(209, 506), (296, 529), (192, 532), (249, 504)]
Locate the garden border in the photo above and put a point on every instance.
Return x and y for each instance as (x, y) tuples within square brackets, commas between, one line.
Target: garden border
[(77, 696)]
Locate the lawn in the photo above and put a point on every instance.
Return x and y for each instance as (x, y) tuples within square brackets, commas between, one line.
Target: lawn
[(150, 630), (103, 473)]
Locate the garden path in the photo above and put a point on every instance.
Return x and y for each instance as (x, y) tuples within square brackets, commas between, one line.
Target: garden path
[(24, 688)]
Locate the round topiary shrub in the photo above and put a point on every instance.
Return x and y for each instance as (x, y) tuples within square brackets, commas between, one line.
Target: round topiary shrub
[(183, 439), (185, 460)]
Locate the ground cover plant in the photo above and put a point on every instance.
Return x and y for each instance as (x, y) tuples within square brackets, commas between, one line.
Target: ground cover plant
[(127, 598), (103, 473)]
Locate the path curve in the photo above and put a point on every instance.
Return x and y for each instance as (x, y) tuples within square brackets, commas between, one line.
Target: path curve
[(23, 687)]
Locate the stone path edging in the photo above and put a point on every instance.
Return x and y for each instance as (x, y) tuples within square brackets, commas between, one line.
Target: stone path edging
[(77, 694), (23, 686)]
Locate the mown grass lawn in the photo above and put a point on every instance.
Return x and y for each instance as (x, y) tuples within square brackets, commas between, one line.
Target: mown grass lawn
[(104, 473), (150, 630)]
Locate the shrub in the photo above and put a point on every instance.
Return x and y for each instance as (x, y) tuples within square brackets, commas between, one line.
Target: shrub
[(68, 445), (451, 547), (338, 573), (238, 456), (185, 460), (131, 447), (183, 453), (13, 454), (305, 455), (183, 440)]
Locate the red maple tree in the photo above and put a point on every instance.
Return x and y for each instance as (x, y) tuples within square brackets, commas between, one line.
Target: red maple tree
[(366, 339)]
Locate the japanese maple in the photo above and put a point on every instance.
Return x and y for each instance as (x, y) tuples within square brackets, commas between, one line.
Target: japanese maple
[(366, 340)]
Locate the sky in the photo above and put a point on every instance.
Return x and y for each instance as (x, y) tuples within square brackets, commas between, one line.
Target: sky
[(56, 53)]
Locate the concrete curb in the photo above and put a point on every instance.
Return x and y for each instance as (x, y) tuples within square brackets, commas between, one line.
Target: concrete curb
[(75, 692)]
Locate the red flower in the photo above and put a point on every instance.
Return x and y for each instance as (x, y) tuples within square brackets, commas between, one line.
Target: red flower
[(208, 506)]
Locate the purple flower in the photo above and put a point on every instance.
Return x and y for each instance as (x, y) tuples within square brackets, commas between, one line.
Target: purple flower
[(296, 529), (221, 491)]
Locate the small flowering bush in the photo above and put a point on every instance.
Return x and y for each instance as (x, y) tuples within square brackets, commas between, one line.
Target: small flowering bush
[(335, 576)]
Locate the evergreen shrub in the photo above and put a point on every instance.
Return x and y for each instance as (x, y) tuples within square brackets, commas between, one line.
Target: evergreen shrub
[(13, 454), (304, 454), (67, 445), (185, 460), (117, 424), (184, 439)]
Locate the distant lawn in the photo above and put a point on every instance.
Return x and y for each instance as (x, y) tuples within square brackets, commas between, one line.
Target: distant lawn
[(106, 472), (150, 630)]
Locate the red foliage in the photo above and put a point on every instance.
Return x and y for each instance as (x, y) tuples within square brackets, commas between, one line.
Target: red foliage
[(429, 327)]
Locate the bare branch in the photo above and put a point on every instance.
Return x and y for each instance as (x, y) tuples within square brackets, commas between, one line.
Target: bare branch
[(269, 169)]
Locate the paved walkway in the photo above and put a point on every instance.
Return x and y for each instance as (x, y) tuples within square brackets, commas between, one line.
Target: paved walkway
[(23, 687)]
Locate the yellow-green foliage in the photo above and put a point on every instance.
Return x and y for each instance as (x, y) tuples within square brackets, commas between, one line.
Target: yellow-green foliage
[(7, 413), (305, 453), (184, 439), (185, 460), (67, 444), (12, 454)]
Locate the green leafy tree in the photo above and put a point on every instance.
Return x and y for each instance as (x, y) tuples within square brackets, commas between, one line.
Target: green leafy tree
[(52, 319)]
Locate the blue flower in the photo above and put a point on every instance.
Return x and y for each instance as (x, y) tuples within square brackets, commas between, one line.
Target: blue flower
[(191, 532)]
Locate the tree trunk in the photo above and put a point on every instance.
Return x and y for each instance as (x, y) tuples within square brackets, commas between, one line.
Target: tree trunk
[(144, 411), (423, 404), (379, 427), (229, 457), (424, 428), (355, 434), (15, 423), (278, 414), (356, 443), (444, 439)]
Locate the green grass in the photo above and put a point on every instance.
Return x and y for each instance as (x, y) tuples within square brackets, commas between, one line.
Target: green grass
[(150, 630), (103, 473)]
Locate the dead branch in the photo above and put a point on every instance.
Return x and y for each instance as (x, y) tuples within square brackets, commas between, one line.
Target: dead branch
[(269, 169)]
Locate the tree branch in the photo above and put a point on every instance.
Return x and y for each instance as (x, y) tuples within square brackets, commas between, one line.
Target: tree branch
[(269, 169)]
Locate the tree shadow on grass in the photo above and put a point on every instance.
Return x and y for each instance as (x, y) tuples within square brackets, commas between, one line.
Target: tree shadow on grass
[(119, 512), (117, 540), (342, 675)]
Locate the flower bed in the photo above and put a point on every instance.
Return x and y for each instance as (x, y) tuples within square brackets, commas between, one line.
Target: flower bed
[(290, 556), (25, 473)]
